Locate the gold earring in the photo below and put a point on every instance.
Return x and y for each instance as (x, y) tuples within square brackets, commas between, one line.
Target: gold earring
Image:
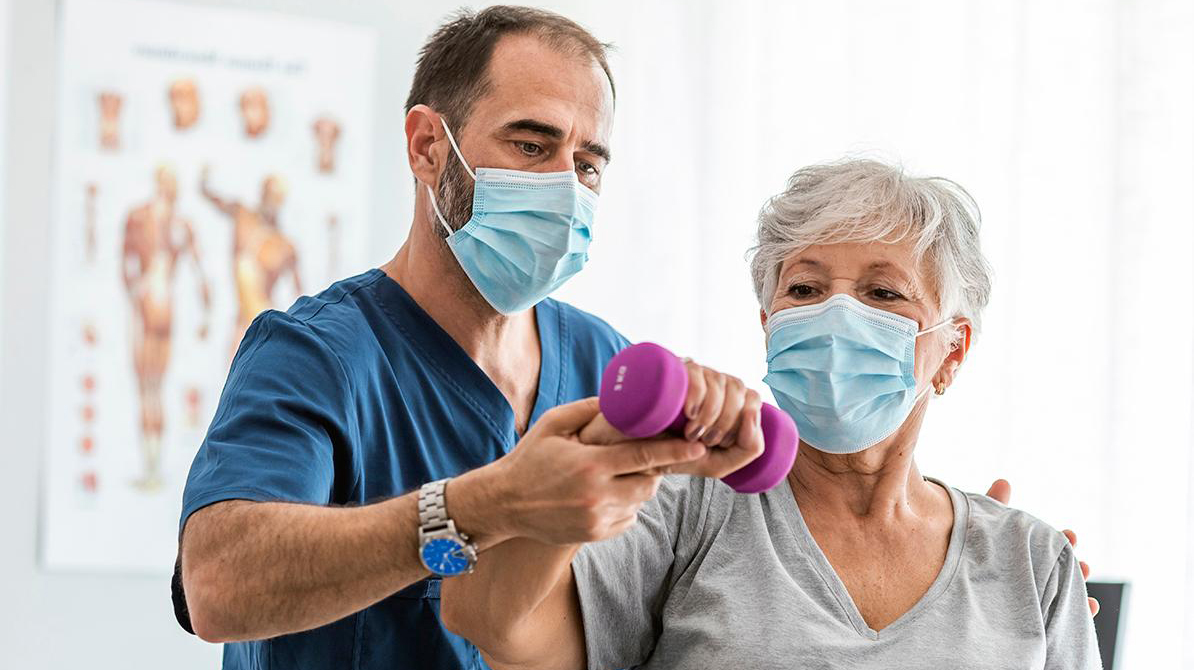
[(940, 388)]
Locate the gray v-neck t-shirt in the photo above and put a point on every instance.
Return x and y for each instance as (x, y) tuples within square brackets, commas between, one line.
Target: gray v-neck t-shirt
[(708, 578)]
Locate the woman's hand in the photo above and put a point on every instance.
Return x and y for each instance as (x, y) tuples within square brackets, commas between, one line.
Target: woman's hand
[(1001, 490), (722, 414)]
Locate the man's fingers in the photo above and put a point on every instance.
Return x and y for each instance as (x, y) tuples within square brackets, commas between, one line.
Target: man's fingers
[(647, 455), (637, 487), (599, 431), (719, 462), (1071, 536), (1001, 490), (570, 418)]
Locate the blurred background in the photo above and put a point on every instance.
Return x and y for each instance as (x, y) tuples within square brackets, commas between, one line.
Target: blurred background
[(1071, 122)]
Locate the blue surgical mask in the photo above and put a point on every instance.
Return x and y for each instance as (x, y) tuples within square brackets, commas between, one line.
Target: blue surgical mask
[(843, 371), (529, 233)]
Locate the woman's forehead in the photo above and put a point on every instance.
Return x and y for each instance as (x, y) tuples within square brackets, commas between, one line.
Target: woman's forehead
[(852, 259)]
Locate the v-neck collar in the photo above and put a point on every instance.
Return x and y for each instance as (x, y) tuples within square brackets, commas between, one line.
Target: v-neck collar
[(808, 545), (461, 372)]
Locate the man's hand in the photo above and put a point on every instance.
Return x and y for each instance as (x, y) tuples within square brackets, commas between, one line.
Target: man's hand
[(556, 489), (1001, 490)]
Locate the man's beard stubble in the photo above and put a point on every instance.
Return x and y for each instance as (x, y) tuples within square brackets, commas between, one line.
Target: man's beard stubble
[(455, 196), (455, 199)]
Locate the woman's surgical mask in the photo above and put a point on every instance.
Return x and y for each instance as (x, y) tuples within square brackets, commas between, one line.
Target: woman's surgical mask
[(529, 233), (843, 371)]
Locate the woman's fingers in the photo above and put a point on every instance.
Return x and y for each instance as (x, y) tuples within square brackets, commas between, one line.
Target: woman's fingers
[(726, 423), (710, 407), (750, 428), (696, 397)]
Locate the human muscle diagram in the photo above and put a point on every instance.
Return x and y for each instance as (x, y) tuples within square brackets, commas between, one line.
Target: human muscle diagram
[(194, 177)]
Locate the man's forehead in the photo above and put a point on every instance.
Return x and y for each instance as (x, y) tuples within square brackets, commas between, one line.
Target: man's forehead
[(531, 79)]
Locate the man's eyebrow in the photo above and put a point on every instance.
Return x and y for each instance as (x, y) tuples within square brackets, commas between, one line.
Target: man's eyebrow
[(537, 127), (597, 149), (555, 133)]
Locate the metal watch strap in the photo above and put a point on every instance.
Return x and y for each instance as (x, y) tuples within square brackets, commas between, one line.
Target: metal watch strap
[(433, 508)]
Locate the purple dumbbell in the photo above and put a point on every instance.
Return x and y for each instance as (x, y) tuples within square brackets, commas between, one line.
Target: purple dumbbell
[(642, 394)]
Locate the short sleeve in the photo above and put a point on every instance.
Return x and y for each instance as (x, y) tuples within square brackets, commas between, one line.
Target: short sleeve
[(281, 416), (1070, 641), (623, 582)]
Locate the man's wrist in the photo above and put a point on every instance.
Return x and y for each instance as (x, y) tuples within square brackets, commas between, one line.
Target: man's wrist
[(477, 502)]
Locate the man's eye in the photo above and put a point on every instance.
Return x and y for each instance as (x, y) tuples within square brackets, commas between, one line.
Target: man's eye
[(587, 168), (530, 148)]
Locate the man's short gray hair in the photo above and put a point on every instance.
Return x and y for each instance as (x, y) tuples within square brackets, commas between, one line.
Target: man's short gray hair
[(862, 200)]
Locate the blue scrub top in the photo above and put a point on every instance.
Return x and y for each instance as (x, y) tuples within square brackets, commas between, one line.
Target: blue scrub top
[(357, 395)]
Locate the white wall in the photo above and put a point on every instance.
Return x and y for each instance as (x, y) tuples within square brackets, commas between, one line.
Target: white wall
[(1071, 122)]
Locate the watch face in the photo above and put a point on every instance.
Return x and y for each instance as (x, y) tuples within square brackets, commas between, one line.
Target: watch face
[(445, 557)]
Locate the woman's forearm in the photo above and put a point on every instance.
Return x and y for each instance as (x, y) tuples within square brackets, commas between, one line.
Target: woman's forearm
[(519, 606)]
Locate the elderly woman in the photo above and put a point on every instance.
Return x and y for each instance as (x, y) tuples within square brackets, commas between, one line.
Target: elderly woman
[(871, 284)]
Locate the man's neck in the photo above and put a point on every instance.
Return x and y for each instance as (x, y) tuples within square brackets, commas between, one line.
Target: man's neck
[(505, 347)]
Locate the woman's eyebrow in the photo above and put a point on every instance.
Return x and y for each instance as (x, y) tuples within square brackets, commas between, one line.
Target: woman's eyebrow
[(891, 267)]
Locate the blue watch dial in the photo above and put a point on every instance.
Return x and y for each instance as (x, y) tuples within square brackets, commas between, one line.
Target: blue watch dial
[(445, 557)]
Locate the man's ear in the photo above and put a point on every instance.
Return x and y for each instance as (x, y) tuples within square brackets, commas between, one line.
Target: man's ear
[(423, 132)]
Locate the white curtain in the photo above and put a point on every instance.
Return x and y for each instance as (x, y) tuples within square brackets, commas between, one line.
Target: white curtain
[(1072, 123)]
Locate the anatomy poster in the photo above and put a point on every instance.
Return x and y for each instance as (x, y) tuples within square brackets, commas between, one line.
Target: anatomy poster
[(210, 164)]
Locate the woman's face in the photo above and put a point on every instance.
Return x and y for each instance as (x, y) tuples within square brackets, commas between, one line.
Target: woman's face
[(881, 275)]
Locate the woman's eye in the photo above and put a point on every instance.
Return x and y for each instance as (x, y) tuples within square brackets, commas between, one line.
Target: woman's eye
[(530, 148), (884, 294), (802, 291)]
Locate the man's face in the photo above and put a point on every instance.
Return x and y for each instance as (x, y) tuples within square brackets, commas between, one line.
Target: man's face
[(545, 111)]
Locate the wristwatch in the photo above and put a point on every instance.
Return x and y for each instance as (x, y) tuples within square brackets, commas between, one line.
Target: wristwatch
[(442, 549)]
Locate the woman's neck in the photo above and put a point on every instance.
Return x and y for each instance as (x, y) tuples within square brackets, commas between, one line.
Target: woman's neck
[(881, 483)]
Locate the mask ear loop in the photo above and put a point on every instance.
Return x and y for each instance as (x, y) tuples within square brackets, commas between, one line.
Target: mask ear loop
[(456, 149), (926, 331)]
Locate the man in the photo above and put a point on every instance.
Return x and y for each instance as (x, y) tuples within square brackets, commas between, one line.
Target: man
[(448, 363), (261, 253), (155, 237)]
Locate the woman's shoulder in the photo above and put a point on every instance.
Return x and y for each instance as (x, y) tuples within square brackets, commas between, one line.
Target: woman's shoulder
[(1010, 540)]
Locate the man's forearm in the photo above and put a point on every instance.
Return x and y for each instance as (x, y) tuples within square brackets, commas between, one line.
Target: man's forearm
[(253, 570)]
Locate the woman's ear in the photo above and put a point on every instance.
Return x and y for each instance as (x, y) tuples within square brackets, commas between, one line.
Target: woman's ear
[(956, 356), (422, 124), (763, 318)]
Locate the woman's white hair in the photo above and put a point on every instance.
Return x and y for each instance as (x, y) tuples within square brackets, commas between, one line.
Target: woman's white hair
[(863, 200)]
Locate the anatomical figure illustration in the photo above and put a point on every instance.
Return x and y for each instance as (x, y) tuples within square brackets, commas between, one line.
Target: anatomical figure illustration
[(254, 111), (110, 103), (327, 132), (261, 252), (183, 95), (156, 238)]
